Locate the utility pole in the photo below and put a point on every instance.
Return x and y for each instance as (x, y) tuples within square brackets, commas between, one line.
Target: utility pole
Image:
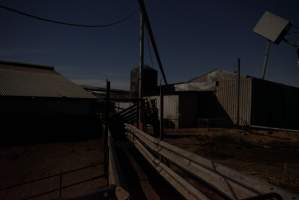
[(239, 92), (152, 38), (107, 113), (141, 66), (266, 59), (161, 111)]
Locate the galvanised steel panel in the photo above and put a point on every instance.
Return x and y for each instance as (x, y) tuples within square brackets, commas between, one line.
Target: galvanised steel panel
[(35, 81), (227, 95)]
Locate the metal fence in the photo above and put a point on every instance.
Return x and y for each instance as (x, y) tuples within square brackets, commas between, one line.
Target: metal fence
[(225, 181), (114, 171), (59, 177)]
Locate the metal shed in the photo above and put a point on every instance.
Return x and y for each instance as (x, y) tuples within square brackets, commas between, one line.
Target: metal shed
[(227, 95), (214, 102), (262, 103), (37, 99), (179, 109)]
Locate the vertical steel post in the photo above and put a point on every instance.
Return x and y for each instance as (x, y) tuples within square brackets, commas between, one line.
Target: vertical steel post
[(161, 111), (141, 66), (152, 38), (239, 92), (107, 111), (266, 59), (60, 184)]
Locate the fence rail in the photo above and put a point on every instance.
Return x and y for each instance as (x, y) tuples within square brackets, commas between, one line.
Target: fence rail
[(226, 181), (59, 176), (114, 171)]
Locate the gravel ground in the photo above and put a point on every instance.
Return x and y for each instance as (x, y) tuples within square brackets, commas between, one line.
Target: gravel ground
[(273, 157), (27, 162)]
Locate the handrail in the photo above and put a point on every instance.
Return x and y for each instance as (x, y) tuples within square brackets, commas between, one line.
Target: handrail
[(114, 174), (178, 182), (227, 181), (129, 109), (113, 169)]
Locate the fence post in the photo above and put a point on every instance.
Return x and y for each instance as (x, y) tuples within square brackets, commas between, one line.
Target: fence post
[(60, 184), (239, 93), (107, 111), (161, 112)]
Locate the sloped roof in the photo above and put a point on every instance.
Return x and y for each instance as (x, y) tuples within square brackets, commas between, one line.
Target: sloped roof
[(196, 86), (213, 75), (205, 82), (19, 79)]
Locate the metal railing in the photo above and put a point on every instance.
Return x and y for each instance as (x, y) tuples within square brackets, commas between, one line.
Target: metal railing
[(228, 182), (114, 171), (60, 188)]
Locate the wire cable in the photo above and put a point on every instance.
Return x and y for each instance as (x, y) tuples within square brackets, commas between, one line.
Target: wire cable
[(291, 43), (116, 22)]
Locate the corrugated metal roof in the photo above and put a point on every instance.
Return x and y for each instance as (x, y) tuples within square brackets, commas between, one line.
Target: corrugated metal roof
[(18, 79), (196, 86), (214, 75)]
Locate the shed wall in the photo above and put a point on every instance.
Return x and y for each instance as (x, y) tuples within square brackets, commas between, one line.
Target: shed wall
[(47, 106), (171, 110), (188, 109), (275, 105), (27, 119), (227, 95), (211, 112)]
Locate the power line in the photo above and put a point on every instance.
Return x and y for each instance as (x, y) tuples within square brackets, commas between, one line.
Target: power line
[(291, 43), (116, 22)]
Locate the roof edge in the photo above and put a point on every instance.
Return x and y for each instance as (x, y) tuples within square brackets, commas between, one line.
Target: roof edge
[(208, 72), (21, 64)]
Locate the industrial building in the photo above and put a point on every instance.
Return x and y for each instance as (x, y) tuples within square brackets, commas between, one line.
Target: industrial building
[(214, 100), (149, 81), (121, 98), (38, 102)]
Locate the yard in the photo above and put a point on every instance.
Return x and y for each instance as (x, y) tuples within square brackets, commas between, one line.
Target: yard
[(271, 156), (22, 163)]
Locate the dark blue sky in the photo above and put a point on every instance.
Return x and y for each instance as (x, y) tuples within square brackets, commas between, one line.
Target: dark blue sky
[(193, 37)]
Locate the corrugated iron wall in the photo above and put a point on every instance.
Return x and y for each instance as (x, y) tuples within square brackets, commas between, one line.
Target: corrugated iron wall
[(275, 105), (188, 109), (171, 109), (227, 95)]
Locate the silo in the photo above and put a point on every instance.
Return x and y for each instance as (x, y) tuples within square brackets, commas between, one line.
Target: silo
[(149, 81)]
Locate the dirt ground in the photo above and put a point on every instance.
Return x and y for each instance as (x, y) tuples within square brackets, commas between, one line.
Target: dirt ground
[(28, 162), (271, 156)]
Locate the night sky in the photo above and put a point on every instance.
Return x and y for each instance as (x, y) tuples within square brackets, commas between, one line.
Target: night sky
[(193, 37)]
